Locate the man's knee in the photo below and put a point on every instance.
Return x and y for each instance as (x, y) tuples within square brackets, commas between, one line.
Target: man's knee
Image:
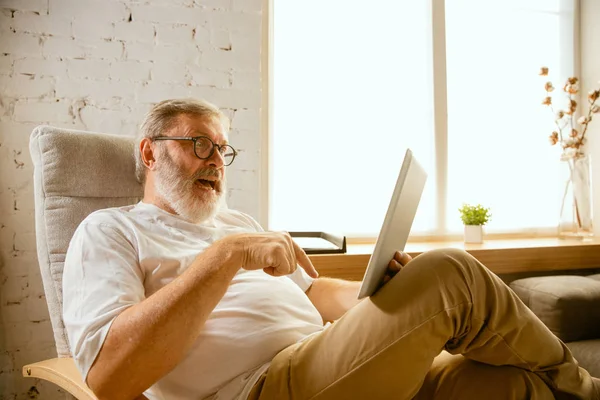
[(447, 259), (444, 254)]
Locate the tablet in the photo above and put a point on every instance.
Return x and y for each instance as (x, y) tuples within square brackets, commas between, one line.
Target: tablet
[(397, 223)]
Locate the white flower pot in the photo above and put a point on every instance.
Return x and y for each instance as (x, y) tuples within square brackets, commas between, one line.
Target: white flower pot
[(473, 233)]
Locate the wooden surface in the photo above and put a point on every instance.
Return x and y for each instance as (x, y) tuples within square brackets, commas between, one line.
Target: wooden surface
[(501, 256), (63, 373)]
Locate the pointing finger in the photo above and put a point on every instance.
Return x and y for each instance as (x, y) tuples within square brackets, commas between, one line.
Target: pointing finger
[(304, 261)]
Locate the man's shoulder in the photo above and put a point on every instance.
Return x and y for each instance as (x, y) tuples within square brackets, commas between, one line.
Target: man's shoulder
[(114, 217), (104, 225)]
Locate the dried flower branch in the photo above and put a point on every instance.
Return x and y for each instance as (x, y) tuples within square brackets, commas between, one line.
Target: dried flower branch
[(564, 120)]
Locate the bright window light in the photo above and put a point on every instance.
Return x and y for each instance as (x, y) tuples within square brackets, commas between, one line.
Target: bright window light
[(498, 149), (353, 88)]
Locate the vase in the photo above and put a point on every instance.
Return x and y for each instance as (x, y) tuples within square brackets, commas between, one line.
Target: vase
[(576, 202), (473, 234)]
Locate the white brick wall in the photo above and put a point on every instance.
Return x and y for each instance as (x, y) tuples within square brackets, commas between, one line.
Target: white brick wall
[(99, 65)]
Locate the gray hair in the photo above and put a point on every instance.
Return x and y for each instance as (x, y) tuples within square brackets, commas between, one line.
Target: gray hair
[(163, 116)]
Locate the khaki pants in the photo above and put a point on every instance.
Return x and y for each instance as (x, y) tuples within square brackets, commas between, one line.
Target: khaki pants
[(390, 346)]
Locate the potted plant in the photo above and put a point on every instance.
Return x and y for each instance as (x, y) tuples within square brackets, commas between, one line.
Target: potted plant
[(474, 217)]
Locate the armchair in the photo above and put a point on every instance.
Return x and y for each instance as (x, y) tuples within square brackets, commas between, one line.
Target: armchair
[(75, 173)]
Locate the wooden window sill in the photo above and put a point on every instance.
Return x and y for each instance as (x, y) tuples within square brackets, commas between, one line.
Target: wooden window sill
[(501, 256)]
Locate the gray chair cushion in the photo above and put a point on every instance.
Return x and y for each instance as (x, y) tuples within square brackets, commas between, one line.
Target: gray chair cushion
[(568, 305), (75, 173), (587, 353)]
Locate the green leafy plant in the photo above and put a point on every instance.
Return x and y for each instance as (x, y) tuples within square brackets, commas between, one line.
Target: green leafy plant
[(474, 215)]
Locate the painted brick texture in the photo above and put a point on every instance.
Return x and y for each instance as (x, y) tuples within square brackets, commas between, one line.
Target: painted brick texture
[(99, 65)]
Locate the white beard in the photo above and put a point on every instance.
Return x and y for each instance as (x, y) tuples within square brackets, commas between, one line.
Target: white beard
[(177, 191)]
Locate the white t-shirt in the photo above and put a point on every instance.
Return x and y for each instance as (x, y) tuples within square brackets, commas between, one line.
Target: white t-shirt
[(120, 256)]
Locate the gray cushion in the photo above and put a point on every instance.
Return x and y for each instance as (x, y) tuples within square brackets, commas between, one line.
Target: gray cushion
[(568, 305), (587, 353), (75, 173)]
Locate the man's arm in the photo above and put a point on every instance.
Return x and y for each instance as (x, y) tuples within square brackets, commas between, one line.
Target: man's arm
[(150, 338), (333, 297)]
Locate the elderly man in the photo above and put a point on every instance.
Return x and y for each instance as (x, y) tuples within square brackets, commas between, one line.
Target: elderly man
[(177, 297)]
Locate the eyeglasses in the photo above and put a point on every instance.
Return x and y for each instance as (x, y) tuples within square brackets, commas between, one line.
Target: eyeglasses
[(204, 147)]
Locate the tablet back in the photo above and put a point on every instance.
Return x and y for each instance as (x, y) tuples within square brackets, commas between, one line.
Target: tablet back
[(397, 223)]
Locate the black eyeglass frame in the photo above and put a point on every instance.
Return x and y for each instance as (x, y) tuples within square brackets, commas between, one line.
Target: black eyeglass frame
[(195, 139)]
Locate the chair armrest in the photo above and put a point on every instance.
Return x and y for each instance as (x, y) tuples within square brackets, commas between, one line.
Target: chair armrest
[(64, 373), (61, 372)]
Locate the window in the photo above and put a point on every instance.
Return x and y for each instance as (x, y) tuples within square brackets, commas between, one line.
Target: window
[(354, 86)]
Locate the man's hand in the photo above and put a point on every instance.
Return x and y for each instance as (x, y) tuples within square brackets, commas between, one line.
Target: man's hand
[(395, 265), (274, 252)]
